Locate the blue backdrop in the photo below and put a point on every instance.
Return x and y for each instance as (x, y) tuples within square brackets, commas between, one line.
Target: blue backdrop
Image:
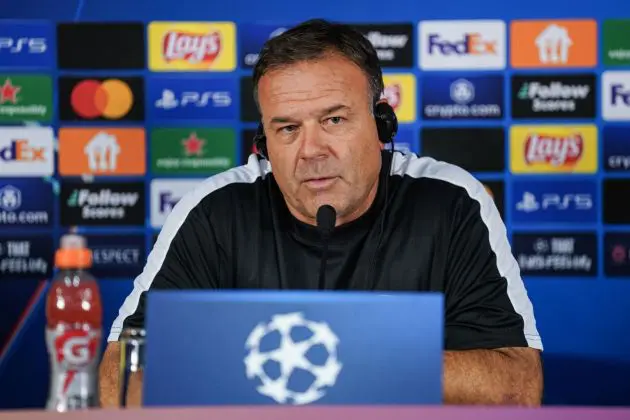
[(584, 320)]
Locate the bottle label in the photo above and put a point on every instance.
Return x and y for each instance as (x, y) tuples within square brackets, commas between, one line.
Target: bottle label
[(76, 349), (74, 367)]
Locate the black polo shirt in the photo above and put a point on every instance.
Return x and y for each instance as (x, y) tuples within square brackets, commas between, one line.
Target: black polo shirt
[(432, 227)]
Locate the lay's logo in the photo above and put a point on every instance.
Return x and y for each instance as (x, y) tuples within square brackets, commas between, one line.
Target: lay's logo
[(556, 151), (553, 149), (192, 46)]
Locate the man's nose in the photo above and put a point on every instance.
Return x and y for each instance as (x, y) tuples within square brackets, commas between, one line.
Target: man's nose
[(313, 143)]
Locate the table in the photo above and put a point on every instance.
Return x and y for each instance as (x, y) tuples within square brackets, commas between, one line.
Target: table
[(332, 413)]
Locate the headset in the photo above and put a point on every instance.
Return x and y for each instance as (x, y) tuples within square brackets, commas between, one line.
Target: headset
[(384, 116)]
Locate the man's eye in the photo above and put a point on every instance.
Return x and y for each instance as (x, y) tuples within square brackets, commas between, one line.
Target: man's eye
[(288, 129), (335, 120)]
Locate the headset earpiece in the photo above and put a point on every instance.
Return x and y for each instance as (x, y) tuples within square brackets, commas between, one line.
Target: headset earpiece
[(260, 141), (386, 122)]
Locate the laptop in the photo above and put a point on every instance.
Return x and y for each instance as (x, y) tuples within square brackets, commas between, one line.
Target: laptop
[(292, 348)]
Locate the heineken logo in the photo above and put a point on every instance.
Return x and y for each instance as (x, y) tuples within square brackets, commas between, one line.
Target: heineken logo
[(200, 151), (25, 98)]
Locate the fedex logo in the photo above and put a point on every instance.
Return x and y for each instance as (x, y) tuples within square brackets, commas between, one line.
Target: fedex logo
[(165, 194), (21, 150), (465, 44), (566, 201), (167, 202), (469, 44), (620, 95), (26, 151), (616, 95)]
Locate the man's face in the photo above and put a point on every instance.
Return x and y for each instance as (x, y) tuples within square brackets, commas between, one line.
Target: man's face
[(321, 137)]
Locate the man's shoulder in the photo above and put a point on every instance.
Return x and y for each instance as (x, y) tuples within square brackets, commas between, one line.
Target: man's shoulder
[(243, 177), (431, 179), (221, 190)]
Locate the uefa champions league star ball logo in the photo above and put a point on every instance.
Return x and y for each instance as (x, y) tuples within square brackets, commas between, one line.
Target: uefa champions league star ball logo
[(291, 356)]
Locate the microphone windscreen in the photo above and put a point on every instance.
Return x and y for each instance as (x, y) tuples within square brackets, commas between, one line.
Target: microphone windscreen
[(326, 218)]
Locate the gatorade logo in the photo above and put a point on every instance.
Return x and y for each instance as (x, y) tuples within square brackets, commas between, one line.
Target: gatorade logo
[(111, 99), (76, 348)]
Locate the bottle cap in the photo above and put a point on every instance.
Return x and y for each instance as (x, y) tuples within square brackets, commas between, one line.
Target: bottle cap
[(73, 252)]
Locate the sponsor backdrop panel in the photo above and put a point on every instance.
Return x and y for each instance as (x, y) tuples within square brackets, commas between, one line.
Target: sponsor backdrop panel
[(535, 105), (462, 97), (103, 46), (101, 99), (574, 202), (562, 96), (34, 102)]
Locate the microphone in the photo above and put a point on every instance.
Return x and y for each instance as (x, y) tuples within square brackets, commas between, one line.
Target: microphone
[(326, 217)]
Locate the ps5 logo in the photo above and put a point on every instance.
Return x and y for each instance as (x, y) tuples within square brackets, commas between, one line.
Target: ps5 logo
[(23, 45), (170, 100), (529, 202)]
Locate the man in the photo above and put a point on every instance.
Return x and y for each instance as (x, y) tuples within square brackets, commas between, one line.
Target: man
[(403, 222)]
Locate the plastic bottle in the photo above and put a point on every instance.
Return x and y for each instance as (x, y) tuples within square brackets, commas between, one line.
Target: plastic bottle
[(73, 328)]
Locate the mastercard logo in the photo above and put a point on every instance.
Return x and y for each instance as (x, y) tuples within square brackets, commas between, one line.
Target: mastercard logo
[(111, 99)]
